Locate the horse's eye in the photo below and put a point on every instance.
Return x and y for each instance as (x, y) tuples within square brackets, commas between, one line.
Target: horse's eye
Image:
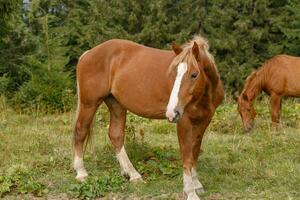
[(194, 75)]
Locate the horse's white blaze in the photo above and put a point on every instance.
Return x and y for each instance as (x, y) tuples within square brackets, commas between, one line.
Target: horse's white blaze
[(173, 100), (196, 182), (83, 54), (188, 187), (78, 166), (126, 166)]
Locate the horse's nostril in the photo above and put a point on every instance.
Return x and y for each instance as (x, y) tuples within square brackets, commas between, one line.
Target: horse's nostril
[(174, 117), (248, 128), (177, 115)]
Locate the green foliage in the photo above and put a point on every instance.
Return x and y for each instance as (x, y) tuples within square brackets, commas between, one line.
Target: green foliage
[(44, 34), (98, 187), (15, 55), (31, 69), (50, 90), (7, 11), (159, 162), (264, 163), (248, 34), (4, 82), (20, 180), (242, 34)]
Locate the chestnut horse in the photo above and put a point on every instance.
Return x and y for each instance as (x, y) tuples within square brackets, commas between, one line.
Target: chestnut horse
[(182, 85), (278, 77)]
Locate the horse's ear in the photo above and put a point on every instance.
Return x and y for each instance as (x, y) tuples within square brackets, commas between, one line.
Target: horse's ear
[(176, 48), (195, 50)]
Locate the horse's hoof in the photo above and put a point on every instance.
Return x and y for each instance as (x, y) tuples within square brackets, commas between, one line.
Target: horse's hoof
[(81, 178), (200, 190), (136, 178), (198, 187), (191, 196)]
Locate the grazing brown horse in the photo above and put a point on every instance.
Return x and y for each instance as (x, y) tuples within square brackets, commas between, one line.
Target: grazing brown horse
[(278, 77), (182, 85)]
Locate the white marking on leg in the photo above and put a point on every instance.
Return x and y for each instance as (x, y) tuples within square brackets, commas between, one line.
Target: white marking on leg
[(83, 55), (126, 166), (173, 101), (196, 182), (188, 187), (78, 161), (79, 167)]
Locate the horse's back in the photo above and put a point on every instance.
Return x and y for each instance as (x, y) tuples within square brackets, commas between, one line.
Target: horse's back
[(120, 45), (283, 74), (284, 61)]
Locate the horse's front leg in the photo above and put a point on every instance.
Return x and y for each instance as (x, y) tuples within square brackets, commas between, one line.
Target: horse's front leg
[(186, 140), (198, 129)]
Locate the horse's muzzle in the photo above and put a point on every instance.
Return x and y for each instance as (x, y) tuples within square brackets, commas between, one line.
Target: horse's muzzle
[(176, 117), (249, 127)]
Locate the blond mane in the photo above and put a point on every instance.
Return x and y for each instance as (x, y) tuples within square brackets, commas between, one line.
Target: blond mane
[(187, 55)]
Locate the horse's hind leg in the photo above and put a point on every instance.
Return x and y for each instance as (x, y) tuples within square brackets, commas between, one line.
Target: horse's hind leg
[(116, 135), (82, 130)]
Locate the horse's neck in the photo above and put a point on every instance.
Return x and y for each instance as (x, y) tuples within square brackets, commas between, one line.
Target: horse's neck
[(212, 74)]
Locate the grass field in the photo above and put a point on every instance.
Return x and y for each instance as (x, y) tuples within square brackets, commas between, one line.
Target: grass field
[(35, 157)]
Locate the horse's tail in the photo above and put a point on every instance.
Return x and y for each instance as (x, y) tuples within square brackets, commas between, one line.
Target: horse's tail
[(76, 116), (89, 133), (77, 113)]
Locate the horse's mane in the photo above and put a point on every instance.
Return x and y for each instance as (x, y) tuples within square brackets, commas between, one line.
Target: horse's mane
[(248, 80), (187, 55), (253, 83), (201, 41)]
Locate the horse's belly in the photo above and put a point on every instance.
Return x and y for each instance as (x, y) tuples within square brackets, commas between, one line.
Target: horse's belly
[(293, 87), (293, 92), (146, 100), (141, 105), (152, 114), (141, 85)]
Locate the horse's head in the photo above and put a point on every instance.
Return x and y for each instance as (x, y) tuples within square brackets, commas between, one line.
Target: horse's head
[(246, 111), (187, 69)]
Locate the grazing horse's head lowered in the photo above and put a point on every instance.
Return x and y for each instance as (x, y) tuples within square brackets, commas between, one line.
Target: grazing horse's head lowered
[(245, 105), (247, 112), (187, 69)]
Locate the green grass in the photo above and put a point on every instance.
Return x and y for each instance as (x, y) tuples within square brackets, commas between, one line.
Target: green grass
[(36, 155)]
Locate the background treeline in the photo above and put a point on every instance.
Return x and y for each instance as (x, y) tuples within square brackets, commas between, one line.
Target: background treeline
[(41, 40)]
